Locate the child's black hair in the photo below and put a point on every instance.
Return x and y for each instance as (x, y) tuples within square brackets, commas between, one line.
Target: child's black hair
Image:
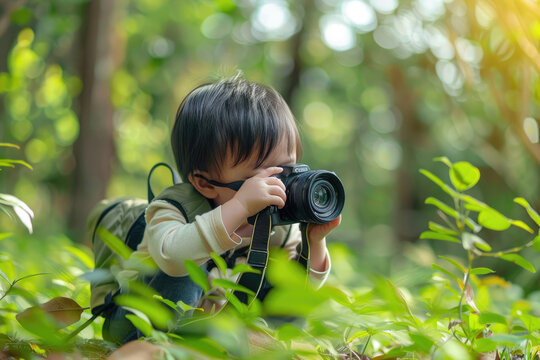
[(232, 115)]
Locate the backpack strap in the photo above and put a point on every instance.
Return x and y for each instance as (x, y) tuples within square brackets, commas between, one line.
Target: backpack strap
[(188, 200), (175, 178)]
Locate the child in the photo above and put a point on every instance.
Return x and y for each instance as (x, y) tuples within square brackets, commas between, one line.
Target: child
[(224, 132)]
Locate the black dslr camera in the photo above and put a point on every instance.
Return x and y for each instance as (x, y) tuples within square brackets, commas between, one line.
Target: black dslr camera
[(313, 196)]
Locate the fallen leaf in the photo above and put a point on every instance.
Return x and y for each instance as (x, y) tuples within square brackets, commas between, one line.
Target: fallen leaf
[(63, 310)]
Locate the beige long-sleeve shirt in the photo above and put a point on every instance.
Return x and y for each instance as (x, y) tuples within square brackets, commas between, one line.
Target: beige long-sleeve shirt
[(169, 241)]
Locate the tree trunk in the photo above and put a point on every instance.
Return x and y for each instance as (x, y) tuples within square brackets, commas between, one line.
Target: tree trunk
[(410, 133), (94, 150), (296, 43)]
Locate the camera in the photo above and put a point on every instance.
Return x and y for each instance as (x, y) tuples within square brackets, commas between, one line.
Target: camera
[(313, 196)]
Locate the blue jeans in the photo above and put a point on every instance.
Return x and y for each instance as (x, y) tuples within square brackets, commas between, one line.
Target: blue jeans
[(118, 329)]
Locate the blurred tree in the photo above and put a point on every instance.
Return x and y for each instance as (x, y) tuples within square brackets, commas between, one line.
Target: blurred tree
[(101, 51)]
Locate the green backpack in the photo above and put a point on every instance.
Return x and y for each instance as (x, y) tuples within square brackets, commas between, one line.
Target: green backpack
[(124, 218)]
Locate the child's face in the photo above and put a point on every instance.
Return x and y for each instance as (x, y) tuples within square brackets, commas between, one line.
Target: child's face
[(246, 169)]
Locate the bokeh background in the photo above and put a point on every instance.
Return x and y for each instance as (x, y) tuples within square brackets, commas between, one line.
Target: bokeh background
[(89, 90)]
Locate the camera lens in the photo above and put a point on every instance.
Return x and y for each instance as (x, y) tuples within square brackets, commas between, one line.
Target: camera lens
[(315, 196), (321, 195)]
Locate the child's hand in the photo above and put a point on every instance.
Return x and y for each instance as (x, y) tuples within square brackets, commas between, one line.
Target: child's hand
[(261, 191), (317, 232)]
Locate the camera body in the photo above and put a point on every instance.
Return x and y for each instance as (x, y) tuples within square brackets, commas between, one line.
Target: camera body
[(313, 196)]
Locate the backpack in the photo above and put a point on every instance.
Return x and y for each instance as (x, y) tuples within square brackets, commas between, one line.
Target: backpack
[(124, 218)]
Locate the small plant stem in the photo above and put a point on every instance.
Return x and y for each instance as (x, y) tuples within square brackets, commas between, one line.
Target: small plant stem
[(509, 251), (457, 205), (450, 224), (81, 328), (470, 257), (465, 283), (365, 345)]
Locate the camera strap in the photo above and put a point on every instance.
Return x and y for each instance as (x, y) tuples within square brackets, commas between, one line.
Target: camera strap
[(257, 256), (303, 251)]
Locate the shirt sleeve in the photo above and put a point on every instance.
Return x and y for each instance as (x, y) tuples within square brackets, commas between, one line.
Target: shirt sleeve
[(317, 278), (171, 240)]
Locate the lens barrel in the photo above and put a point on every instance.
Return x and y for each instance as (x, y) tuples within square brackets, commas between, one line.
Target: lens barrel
[(316, 196)]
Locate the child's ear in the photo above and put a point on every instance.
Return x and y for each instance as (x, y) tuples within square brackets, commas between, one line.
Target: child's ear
[(201, 185)]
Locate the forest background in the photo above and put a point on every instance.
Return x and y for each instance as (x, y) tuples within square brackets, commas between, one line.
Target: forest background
[(89, 90)]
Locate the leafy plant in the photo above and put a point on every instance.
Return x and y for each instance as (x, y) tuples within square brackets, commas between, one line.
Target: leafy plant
[(11, 205), (462, 223)]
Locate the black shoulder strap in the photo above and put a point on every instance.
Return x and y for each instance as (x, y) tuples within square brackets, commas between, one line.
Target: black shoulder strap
[(175, 178)]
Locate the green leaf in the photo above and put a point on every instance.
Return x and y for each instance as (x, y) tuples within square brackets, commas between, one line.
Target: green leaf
[(23, 212), (185, 307), (536, 243), (236, 303), (532, 213), (522, 225), (444, 160), (167, 302), (422, 342), (440, 268), (244, 268), (506, 339), (451, 212), (140, 324), (456, 264), (518, 260), (220, 263), (438, 236), (206, 347), (289, 332), (492, 318), (158, 314), (532, 323), (9, 163), (10, 145), (472, 202), (197, 274), (481, 271), (464, 175), (447, 189), (442, 206), (485, 345), (336, 294), (358, 335), (114, 243), (494, 220), (441, 229), (297, 301), (227, 284)]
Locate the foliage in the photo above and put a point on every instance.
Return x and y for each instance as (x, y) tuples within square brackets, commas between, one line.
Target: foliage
[(458, 311), (11, 205)]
